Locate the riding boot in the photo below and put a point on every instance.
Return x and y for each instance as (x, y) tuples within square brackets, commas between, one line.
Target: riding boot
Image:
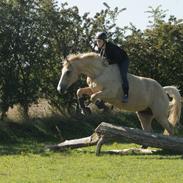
[(125, 96), (123, 67)]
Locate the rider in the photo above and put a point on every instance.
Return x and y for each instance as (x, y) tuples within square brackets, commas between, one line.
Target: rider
[(115, 55)]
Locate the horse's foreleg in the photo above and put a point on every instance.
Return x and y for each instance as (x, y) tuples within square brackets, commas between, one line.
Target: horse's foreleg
[(103, 95), (80, 92)]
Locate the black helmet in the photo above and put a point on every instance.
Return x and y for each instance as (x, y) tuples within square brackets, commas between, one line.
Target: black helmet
[(101, 35)]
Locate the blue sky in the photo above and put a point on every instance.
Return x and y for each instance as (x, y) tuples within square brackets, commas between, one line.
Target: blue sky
[(135, 12)]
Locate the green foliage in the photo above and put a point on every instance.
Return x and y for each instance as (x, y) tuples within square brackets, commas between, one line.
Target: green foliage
[(157, 15), (22, 53), (158, 52)]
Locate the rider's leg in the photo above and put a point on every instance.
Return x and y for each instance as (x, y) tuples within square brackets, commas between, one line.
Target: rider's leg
[(123, 67)]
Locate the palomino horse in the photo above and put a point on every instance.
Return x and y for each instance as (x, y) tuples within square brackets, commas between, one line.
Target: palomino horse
[(146, 96)]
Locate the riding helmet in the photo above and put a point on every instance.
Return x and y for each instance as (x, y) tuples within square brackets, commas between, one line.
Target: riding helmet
[(101, 35)]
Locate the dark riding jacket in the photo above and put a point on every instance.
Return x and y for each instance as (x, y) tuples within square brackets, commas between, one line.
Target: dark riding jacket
[(113, 53)]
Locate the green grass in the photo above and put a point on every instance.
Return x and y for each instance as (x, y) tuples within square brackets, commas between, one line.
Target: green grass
[(23, 158), (29, 164)]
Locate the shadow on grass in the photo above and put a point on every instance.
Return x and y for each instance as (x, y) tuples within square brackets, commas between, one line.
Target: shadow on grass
[(159, 154), (32, 136), (32, 146)]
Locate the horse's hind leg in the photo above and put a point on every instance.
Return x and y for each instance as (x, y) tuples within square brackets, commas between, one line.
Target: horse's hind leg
[(163, 120), (145, 120), (160, 112)]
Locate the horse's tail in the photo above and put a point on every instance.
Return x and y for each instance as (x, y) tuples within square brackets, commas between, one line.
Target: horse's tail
[(174, 104)]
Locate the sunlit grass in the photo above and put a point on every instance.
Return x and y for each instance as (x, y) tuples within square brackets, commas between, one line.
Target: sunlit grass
[(29, 164), (23, 158)]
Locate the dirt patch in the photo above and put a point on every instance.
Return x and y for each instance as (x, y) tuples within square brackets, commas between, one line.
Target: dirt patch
[(41, 109)]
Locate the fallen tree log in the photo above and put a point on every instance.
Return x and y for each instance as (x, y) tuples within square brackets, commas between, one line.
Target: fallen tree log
[(75, 143), (106, 132), (110, 132)]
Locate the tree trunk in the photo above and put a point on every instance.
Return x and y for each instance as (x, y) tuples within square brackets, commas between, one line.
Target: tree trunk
[(106, 132), (75, 143), (113, 133)]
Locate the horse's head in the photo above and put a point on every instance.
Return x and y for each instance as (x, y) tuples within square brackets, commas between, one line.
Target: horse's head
[(68, 77), (87, 64)]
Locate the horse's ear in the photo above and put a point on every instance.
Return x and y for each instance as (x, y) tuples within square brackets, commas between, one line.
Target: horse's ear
[(66, 59)]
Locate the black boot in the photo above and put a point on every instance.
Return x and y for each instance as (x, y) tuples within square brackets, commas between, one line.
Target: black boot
[(125, 98)]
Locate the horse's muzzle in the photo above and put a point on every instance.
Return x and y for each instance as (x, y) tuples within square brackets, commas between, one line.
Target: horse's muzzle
[(61, 89)]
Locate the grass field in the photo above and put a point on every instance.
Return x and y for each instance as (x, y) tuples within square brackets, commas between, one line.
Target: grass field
[(23, 158), (27, 163)]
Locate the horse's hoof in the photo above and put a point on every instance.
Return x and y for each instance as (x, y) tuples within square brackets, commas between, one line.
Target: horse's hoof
[(106, 109), (144, 147), (86, 111)]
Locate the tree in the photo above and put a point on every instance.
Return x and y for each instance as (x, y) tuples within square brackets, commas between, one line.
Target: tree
[(22, 50), (157, 52), (37, 35)]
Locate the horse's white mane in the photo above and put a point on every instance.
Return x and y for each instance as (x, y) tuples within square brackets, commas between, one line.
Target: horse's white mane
[(74, 57), (84, 57)]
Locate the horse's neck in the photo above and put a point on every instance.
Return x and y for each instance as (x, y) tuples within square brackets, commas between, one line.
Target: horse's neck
[(89, 67)]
